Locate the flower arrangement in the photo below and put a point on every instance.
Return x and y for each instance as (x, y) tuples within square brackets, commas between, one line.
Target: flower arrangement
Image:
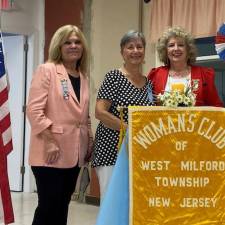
[(178, 97)]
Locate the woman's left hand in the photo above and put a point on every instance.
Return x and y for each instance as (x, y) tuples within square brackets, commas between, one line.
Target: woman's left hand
[(52, 154), (52, 148)]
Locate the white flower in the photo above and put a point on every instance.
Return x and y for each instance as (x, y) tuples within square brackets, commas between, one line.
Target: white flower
[(176, 98)]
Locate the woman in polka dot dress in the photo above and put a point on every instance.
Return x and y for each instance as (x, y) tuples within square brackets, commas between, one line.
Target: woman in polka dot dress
[(125, 86)]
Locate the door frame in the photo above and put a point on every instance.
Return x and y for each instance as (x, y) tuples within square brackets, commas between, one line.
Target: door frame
[(28, 183)]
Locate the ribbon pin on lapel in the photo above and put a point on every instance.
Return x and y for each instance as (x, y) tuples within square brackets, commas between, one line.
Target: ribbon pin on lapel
[(65, 89)]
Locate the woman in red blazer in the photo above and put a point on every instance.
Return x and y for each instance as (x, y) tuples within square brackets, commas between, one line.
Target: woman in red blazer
[(61, 137), (176, 49)]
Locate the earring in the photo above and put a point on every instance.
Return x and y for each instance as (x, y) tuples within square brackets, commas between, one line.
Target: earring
[(167, 61)]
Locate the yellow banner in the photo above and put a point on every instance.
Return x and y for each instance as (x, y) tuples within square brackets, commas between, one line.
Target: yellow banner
[(177, 166)]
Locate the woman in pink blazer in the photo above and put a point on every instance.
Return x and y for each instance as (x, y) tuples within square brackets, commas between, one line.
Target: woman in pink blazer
[(61, 137), (176, 49)]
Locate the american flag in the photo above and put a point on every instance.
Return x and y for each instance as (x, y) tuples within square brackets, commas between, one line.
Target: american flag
[(6, 211), (5, 128)]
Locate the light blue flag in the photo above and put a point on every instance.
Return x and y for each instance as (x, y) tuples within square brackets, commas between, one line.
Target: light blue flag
[(114, 209)]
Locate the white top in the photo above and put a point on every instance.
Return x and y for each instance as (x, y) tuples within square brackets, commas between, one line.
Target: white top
[(177, 83)]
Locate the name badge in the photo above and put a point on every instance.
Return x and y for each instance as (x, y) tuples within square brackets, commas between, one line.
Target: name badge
[(65, 91)]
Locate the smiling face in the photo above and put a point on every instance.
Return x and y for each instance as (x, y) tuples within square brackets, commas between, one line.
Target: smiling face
[(72, 49), (133, 52), (177, 50)]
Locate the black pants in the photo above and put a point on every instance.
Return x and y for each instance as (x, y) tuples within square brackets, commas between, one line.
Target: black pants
[(55, 187)]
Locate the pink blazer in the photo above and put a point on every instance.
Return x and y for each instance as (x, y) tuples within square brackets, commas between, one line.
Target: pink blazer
[(206, 94), (67, 118)]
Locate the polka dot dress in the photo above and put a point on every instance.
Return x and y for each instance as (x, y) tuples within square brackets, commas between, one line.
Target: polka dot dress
[(121, 92)]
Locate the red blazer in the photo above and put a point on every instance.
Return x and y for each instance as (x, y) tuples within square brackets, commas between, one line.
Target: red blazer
[(206, 94), (68, 119)]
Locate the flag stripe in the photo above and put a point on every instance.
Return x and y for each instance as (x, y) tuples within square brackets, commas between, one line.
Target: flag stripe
[(4, 110), (3, 83), (1, 210), (8, 147), (4, 96), (5, 191), (7, 136), (5, 143), (5, 123)]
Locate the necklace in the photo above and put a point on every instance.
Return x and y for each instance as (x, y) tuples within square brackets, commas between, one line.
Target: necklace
[(180, 74), (137, 79), (129, 74)]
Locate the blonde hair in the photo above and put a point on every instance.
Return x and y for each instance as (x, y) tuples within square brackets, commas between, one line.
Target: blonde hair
[(59, 38), (176, 32)]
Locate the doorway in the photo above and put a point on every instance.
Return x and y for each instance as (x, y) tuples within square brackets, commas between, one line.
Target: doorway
[(15, 63)]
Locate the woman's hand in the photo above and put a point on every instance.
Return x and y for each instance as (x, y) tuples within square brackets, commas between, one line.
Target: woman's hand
[(52, 147), (102, 113), (52, 153)]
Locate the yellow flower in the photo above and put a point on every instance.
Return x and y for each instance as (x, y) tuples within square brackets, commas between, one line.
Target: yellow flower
[(179, 98)]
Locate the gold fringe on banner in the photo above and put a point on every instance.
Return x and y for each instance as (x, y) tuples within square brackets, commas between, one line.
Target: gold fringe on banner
[(122, 127)]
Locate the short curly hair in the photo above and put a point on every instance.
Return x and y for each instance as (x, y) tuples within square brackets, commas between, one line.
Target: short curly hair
[(180, 33)]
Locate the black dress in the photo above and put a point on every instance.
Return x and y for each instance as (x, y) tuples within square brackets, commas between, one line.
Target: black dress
[(121, 92)]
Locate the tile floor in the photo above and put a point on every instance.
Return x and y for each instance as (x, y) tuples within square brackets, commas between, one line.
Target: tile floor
[(24, 205)]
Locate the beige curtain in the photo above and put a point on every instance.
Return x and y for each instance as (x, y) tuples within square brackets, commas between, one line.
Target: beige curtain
[(220, 9), (202, 18)]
